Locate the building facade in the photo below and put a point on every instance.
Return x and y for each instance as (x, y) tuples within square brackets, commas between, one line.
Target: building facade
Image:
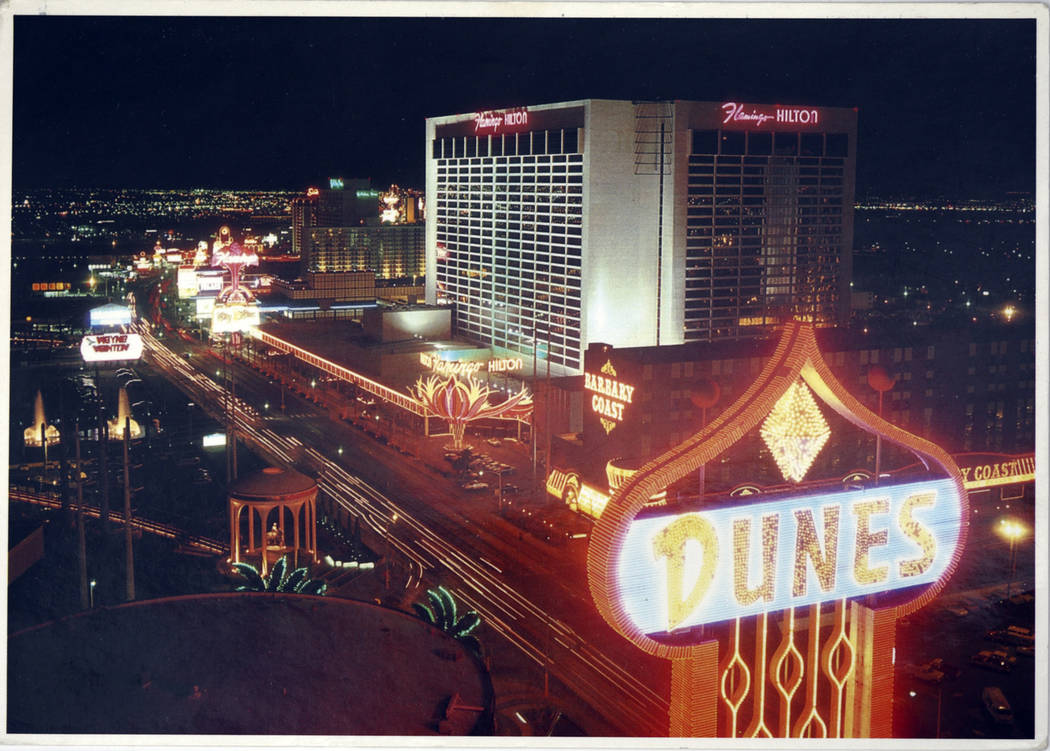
[(966, 391), (304, 216), (392, 251), (328, 288), (638, 224)]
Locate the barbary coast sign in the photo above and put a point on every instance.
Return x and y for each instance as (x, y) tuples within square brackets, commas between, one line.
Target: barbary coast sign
[(1018, 469), (682, 570), (756, 115)]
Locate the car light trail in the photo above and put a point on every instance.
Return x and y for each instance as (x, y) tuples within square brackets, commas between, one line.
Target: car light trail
[(590, 672)]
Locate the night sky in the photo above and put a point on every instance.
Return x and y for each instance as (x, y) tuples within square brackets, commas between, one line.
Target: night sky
[(947, 107)]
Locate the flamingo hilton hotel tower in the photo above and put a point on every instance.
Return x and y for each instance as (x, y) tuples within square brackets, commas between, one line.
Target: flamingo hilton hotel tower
[(638, 223)]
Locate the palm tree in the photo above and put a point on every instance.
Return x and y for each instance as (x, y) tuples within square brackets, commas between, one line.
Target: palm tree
[(296, 582), (442, 614)]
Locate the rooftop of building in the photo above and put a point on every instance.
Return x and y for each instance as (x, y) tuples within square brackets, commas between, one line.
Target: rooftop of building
[(345, 343), (242, 663), (271, 482), (843, 339)]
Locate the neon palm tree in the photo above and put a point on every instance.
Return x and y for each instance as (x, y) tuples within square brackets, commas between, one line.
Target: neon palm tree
[(279, 579), (462, 401), (441, 613)]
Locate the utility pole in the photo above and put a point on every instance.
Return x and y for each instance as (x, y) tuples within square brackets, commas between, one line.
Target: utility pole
[(81, 542), (129, 555), (660, 236), (547, 658), (233, 422), (63, 474), (226, 411), (547, 419), (532, 417), (103, 440), (43, 445)]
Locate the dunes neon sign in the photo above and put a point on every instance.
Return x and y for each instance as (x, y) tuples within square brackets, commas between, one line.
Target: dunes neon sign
[(683, 570), (810, 552)]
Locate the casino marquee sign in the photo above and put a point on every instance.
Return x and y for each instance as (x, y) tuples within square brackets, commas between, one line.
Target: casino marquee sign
[(730, 592)]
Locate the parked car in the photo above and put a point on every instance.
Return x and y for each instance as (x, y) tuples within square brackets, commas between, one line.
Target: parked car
[(924, 673), (995, 659), (997, 705), (476, 485), (493, 441), (951, 672), (1012, 635)]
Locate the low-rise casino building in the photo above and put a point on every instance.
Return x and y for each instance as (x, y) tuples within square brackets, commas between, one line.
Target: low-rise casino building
[(970, 394), (245, 663)]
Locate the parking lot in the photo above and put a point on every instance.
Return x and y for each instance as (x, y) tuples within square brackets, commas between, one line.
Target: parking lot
[(966, 637)]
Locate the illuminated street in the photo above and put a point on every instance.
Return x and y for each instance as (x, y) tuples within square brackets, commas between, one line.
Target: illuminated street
[(437, 536)]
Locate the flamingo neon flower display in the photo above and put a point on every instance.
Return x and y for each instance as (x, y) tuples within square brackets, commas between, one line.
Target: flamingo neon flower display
[(462, 401)]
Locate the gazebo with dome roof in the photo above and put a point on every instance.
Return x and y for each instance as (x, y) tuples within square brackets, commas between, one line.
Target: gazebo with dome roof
[(281, 519)]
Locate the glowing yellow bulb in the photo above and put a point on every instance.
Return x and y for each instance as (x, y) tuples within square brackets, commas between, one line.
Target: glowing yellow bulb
[(795, 432)]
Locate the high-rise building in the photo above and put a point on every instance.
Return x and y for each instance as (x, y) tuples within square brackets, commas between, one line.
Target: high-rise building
[(637, 223), (304, 216), (339, 229), (348, 203), (392, 251)]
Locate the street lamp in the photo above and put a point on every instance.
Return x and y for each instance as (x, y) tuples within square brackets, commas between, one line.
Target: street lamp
[(1012, 530), (92, 591)]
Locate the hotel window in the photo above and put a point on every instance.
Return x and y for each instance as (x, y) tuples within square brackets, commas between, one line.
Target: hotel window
[(837, 145), (811, 144), (732, 142), (785, 144), (705, 141), (570, 142), (760, 144)]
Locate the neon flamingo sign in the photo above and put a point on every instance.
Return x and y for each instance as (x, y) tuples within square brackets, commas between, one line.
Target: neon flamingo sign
[(748, 115), (498, 122)]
